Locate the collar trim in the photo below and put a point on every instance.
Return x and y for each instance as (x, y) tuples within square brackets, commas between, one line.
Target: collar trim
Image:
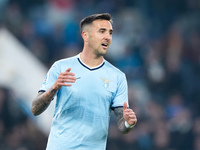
[(93, 68)]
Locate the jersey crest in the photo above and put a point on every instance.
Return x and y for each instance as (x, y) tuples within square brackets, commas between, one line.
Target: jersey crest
[(106, 82)]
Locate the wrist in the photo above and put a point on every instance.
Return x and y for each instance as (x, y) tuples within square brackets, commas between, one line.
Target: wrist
[(128, 125)]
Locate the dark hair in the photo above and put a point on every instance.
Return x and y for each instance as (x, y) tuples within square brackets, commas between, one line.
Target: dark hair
[(89, 19)]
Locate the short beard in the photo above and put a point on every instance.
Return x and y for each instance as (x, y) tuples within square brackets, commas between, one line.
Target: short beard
[(99, 53)]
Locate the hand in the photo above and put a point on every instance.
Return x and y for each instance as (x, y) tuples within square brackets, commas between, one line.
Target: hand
[(64, 79), (129, 115)]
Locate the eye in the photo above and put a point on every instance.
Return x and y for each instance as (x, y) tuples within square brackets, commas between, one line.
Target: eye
[(101, 31)]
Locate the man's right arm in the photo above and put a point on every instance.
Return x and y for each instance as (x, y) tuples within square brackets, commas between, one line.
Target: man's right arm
[(42, 101)]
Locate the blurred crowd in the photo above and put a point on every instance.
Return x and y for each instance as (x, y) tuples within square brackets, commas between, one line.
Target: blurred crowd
[(155, 42), (17, 130)]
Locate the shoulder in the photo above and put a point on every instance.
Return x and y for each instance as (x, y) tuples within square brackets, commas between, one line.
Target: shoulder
[(113, 69), (66, 60), (62, 64)]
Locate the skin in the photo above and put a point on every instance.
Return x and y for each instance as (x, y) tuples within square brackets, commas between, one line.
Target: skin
[(97, 38), (96, 34)]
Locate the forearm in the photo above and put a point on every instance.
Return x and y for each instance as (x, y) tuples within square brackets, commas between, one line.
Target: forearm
[(122, 127), (42, 101), (120, 120)]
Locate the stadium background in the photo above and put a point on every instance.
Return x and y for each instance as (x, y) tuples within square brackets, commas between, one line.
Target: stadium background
[(155, 42)]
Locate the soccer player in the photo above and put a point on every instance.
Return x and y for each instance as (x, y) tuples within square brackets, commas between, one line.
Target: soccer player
[(87, 87)]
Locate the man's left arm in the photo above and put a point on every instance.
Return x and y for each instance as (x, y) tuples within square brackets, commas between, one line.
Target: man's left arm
[(126, 118)]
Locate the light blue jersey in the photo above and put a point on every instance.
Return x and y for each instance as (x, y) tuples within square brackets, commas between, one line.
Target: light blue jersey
[(82, 111)]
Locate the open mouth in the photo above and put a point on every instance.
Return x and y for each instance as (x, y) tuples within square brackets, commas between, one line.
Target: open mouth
[(104, 45)]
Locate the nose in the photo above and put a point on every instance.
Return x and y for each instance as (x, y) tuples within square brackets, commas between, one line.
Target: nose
[(108, 36)]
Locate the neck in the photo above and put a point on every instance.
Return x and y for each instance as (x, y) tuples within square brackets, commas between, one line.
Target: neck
[(91, 59)]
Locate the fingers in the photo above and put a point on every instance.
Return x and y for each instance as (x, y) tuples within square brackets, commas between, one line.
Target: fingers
[(132, 121), (65, 79), (129, 115), (67, 76), (131, 118), (68, 70), (125, 106)]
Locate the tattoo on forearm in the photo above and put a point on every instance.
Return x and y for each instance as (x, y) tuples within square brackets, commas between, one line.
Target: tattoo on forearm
[(39, 106), (42, 101), (48, 96), (120, 120)]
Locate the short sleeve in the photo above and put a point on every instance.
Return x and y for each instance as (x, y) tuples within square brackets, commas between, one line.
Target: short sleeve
[(51, 77), (121, 95)]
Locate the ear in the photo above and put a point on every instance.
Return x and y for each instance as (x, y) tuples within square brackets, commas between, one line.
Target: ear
[(85, 35)]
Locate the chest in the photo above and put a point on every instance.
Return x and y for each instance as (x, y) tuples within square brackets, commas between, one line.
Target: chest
[(96, 88)]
